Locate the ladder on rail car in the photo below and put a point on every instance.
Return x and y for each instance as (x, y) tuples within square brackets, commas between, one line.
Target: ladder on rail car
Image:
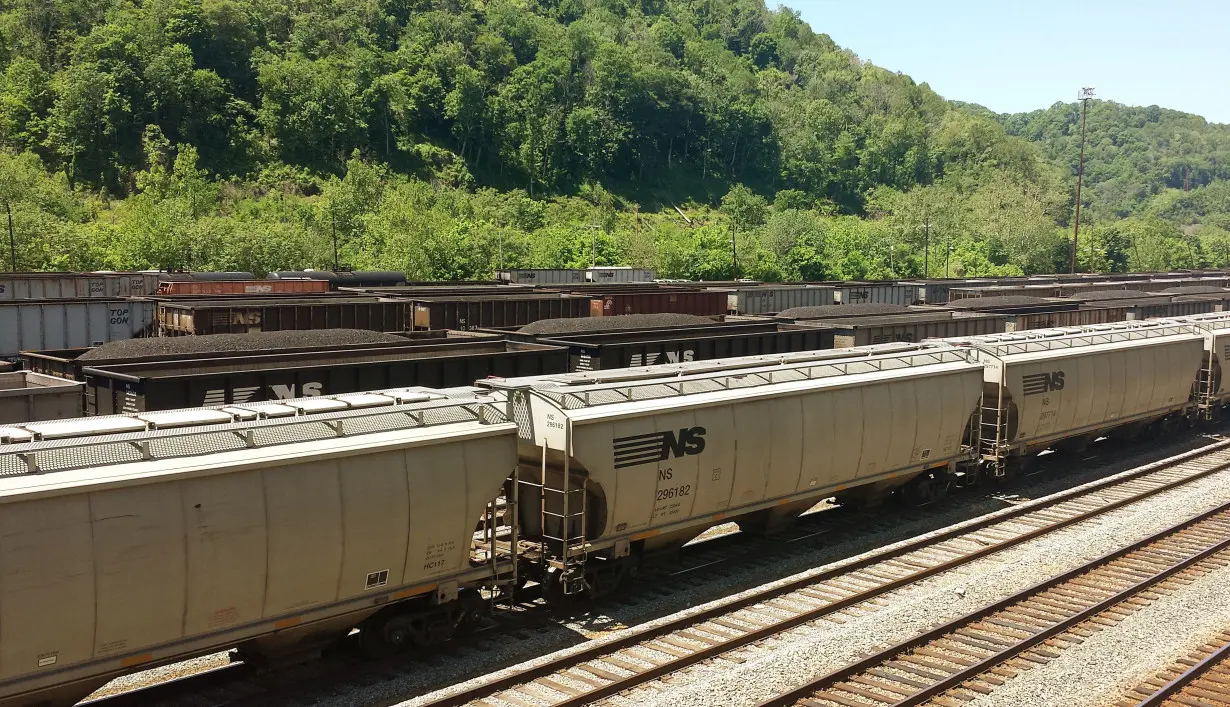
[(992, 430), (1206, 388), (563, 531)]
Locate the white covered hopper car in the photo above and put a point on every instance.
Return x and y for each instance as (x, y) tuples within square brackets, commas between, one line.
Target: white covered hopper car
[(629, 461), (1053, 386), (131, 541), (1212, 388)]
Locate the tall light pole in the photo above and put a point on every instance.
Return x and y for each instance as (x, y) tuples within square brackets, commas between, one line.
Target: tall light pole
[(1085, 96), (593, 244)]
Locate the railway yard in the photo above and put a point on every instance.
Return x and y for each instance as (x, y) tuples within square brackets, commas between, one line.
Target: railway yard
[(580, 487)]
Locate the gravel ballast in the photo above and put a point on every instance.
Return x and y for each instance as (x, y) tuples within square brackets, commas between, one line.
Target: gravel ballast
[(827, 311), (222, 343), (1195, 290), (1114, 660), (824, 646), (594, 325)]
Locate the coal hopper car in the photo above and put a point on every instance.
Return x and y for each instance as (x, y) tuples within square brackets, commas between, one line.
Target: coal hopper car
[(617, 464), (137, 540)]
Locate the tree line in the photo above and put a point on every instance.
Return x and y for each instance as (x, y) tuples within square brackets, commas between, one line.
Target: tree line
[(448, 138)]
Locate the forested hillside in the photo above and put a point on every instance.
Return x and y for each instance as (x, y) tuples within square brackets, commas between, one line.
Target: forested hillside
[(448, 138)]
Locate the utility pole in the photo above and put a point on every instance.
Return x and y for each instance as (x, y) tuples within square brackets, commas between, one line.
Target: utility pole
[(593, 244), (947, 254), (927, 257), (734, 252), (1086, 95), (8, 209), (333, 219)]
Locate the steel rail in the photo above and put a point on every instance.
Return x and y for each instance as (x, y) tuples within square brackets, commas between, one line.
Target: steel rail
[(972, 671), (1176, 686)]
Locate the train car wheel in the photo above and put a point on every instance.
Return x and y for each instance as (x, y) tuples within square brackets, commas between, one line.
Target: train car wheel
[(926, 488)]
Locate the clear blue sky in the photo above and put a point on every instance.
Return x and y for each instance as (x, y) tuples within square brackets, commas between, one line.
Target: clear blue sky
[(1013, 56)]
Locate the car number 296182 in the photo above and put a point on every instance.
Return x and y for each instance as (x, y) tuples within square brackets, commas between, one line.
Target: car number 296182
[(677, 492)]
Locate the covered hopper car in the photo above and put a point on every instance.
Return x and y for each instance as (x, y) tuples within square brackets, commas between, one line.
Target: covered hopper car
[(270, 527), (615, 465)]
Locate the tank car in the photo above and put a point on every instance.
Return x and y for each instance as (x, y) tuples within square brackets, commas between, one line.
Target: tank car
[(136, 540), (615, 465)]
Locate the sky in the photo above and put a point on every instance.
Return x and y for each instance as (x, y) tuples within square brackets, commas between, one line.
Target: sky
[(1013, 56)]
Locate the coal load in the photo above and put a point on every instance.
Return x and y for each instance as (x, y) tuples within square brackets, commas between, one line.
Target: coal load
[(238, 343), (580, 325), (1108, 295), (1195, 290), (999, 302), (832, 311)]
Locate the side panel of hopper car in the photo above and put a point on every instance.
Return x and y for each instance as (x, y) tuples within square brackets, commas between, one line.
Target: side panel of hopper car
[(469, 315), (1074, 317), (704, 303), (1172, 309), (697, 463), (1097, 390), (106, 395), (29, 326), (616, 355), (240, 319), (848, 337), (876, 294), (1220, 351), (26, 396), (758, 300), (109, 574)]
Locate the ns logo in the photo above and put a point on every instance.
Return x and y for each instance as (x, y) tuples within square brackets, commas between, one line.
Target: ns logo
[(1040, 383), (658, 446)]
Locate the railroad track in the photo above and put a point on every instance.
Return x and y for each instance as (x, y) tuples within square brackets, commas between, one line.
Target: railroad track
[(1200, 679), (642, 656), (974, 654), (239, 684)]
